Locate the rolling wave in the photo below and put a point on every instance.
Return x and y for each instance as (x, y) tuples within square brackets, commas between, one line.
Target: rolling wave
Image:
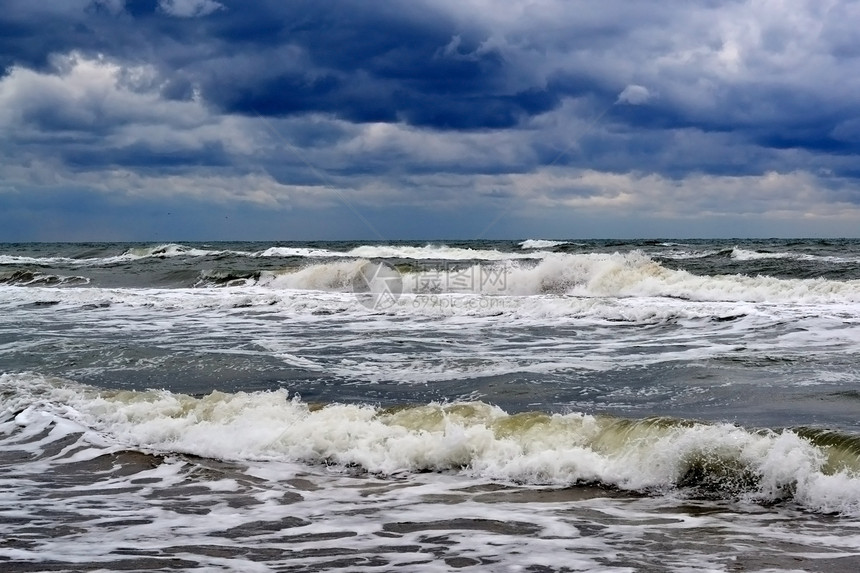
[(541, 244), (530, 249), (593, 275), (816, 469), (739, 254), (439, 269), (36, 278), (162, 251), (172, 250), (166, 251), (425, 253), (589, 275), (430, 252)]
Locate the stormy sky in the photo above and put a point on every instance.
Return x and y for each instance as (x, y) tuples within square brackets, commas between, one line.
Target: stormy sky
[(294, 120)]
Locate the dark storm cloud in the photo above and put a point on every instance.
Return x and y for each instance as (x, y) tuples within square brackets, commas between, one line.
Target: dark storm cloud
[(355, 60), (362, 62), (420, 64), (606, 106)]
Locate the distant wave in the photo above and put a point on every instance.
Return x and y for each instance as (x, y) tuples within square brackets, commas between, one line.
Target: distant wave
[(541, 244), (631, 274), (747, 255), (39, 261), (167, 250), (814, 468), (685, 255), (530, 249), (427, 252), (296, 252), (438, 252), (558, 275), (35, 278), (171, 250), (161, 251)]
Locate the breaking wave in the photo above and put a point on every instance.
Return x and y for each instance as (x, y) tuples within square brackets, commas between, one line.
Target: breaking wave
[(166, 251), (739, 254), (541, 244), (589, 275), (36, 278), (427, 252), (163, 251), (816, 469)]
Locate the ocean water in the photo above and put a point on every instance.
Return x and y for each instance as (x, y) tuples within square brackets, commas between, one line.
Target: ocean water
[(524, 405)]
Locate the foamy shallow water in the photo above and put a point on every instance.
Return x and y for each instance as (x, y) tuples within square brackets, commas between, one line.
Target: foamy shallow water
[(515, 406)]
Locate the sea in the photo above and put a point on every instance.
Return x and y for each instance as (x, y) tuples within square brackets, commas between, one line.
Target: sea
[(531, 405)]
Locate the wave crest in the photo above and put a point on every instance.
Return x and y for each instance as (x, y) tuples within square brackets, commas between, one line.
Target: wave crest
[(653, 455), (632, 274), (541, 244)]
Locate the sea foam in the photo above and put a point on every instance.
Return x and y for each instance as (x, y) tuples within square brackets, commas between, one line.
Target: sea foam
[(652, 455), (631, 274)]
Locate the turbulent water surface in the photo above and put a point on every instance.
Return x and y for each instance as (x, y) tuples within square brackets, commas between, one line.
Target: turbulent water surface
[(506, 406)]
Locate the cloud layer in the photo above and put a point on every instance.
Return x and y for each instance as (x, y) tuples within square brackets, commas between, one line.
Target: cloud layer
[(550, 117)]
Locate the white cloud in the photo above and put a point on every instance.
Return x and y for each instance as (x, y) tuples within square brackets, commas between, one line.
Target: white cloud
[(98, 96), (88, 94), (634, 95), (777, 196)]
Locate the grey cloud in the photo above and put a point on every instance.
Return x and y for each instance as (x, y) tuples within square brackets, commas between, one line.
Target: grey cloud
[(375, 98)]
